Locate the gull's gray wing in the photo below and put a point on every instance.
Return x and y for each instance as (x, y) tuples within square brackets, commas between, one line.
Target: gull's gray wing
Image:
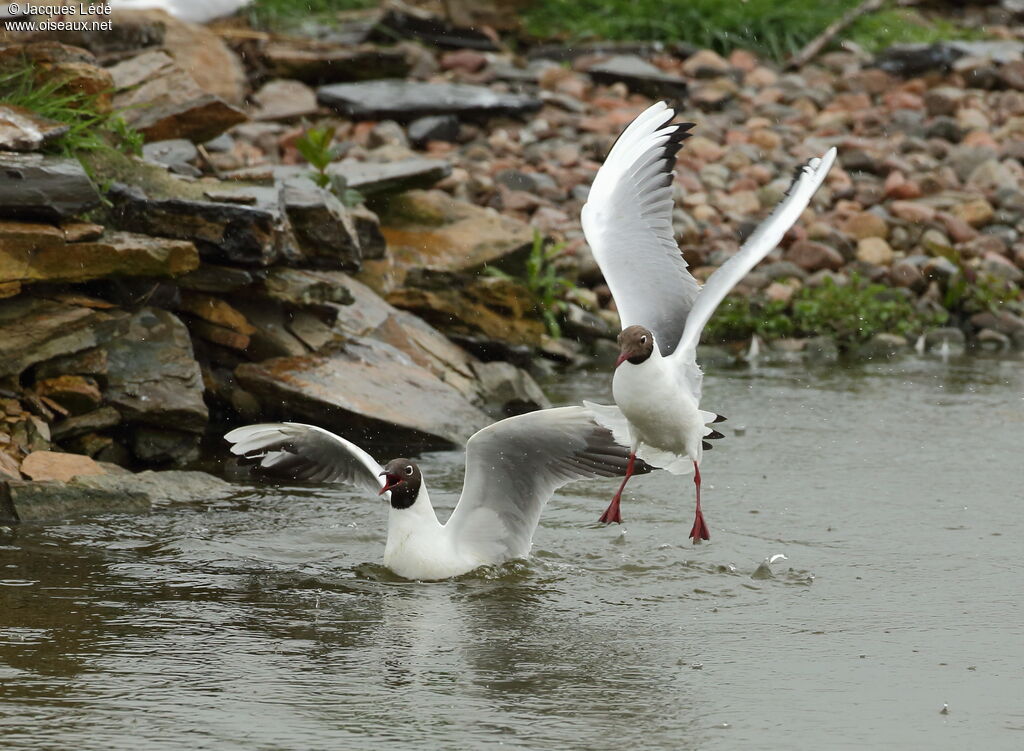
[(513, 467), (306, 452)]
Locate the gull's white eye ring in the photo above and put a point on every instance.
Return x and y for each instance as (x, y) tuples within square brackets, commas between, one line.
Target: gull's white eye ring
[(408, 470), (643, 340)]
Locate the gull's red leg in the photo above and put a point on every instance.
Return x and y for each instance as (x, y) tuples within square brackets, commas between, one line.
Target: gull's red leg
[(700, 529), (611, 514)]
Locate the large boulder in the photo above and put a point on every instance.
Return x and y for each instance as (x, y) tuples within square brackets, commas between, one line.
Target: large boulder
[(370, 393), (430, 230)]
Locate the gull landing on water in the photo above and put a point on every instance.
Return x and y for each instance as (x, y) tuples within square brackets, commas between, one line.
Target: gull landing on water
[(627, 221), (512, 469)]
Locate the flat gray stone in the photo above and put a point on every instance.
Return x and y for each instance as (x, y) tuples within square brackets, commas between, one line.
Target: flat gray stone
[(639, 75), (38, 186), (370, 393), (381, 178), (113, 493), (408, 100)]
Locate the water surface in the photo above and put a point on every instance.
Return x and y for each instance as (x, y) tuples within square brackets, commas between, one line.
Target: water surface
[(894, 491)]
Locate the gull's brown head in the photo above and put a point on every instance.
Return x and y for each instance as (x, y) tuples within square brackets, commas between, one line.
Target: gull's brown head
[(635, 345), (402, 477)]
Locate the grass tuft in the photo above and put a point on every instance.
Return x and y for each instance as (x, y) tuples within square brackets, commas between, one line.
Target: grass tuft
[(90, 129), (773, 28)]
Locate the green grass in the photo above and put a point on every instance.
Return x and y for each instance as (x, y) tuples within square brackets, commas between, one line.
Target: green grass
[(877, 31), (849, 314), (89, 128), (269, 14), (544, 281), (774, 28)]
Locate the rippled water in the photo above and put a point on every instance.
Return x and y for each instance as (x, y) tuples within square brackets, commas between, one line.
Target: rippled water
[(896, 493)]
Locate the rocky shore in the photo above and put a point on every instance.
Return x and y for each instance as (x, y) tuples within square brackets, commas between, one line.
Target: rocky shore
[(150, 300)]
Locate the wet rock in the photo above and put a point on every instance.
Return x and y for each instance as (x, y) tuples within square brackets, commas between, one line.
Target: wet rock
[(865, 224), (38, 253), (370, 316), (90, 362), (118, 492), (164, 446), (220, 231), (325, 233), (706, 64), (53, 465), (169, 486), (369, 393), (814, 256), (976, 213), (97, 420), (882, 346), (371, 239), (24, 130), (916, 59), (494, 309), (212, 278), (48, 501), (509, 387), (284, 100), (408, 22), (405, 101), (177, 154), (77, 394), (952, 338), (307, 287), (1005, 322), (162, 101), (326, 62), (583, 325), (433, 128), (152, 376), (271, 337), (44, 187), (639, 75), (35, 330), (431, 230), (376, 179), (310, 330)]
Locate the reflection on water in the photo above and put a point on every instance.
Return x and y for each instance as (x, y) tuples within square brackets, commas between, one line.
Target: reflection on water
[(266, 621)]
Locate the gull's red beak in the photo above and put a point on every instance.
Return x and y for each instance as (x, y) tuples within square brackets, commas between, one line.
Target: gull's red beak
[(622, 358), (390, 481)]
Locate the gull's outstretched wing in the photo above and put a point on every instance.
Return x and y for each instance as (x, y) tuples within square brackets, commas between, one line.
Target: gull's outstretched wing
[(758, 245), (306, 452), (513, 467), (628, 224)]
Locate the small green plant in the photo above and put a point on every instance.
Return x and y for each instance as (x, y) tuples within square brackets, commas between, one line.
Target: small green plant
[(315, 147), (739, 317), (855, 312), (89, 128), (850, 314), (971, 291), (544, 281)]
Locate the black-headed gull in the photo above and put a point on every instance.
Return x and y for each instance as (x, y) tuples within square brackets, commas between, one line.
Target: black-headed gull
[(627, 221), (512, 469)]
